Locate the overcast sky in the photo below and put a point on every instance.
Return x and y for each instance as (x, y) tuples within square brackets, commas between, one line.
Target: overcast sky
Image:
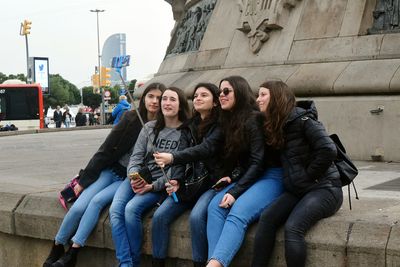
[(65, 32)]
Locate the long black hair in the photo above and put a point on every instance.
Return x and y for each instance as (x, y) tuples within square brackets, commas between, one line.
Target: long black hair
[(205, 124), (233, 121), (183, 113), (142, 106)]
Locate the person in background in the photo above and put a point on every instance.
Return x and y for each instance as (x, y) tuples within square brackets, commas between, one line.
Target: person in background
[(58, 117), (67, 118), (120, 109), (100, 179), (311, 179), (91, 118), (80, 118)]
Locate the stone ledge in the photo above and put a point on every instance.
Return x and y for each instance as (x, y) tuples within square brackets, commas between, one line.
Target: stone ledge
[(339, 77), (364, 236)]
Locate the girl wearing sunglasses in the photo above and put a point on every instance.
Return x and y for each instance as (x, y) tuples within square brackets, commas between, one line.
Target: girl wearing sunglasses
[(250, 189)]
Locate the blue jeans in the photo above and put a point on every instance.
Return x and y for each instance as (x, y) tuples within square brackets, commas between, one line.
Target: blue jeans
[(126, 214), (84, 214), (226, 228), (198, 226), (162, 219)]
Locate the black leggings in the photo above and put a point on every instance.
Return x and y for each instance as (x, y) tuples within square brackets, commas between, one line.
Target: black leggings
[(300, 214)]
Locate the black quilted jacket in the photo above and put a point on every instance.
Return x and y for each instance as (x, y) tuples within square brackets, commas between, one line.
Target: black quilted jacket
[(308, 155)]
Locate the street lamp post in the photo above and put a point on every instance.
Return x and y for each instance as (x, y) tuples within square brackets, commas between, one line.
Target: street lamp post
[(98, 68)]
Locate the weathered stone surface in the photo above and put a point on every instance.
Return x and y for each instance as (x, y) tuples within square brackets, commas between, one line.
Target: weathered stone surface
[(172, 64), (186, 83), (350, 116), (226, 12), (367, 244), (390, 46), (8, 203), (321, 19), (39, 216), (319, 78), (336, 49), (370, 76), (327, 245), (210, 59), (353, 18), (274, 51), (392, 251)]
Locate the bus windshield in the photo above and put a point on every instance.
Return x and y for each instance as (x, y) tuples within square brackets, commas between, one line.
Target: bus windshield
[(20, 104)]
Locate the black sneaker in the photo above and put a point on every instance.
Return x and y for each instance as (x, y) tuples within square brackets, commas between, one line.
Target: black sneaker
[(56, 252), (69, 259)]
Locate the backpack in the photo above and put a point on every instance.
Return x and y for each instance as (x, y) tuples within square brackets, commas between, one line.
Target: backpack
[(347, 170)]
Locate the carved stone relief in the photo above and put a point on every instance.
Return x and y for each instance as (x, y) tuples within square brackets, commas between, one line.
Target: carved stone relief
[(386, 17), (259, 17), (192, 27)]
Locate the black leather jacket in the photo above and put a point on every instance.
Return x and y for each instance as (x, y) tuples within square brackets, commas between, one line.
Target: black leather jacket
[(204, 150), (308, 155), (250, 164), (118, 142), (251, 161)]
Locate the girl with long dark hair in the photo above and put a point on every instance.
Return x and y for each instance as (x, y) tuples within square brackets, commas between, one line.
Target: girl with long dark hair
[(311, 179), (203, 128), (255, 179), (100, 179), (136, 196)]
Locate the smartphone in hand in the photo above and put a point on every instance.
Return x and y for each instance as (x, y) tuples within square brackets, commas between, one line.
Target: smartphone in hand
[(220, 185), (134, 176)]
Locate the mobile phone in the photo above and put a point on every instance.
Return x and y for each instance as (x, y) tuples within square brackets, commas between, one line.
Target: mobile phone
[(220, 184), (134, 176)]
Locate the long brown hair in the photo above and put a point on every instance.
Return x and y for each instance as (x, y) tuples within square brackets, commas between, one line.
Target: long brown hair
[(282, 102), (183, 113), (233, 121)]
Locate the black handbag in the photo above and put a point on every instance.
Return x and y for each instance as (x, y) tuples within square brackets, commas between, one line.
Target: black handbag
[(196, 182)]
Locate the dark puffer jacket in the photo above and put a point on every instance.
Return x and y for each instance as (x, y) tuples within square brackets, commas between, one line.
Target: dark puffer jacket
[(308, 155)]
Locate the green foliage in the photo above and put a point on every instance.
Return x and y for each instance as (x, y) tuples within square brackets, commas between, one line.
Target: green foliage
[(62, 92), (4, 77), (89, 98)]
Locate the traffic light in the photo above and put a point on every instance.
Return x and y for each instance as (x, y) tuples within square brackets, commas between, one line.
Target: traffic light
[(26, 27), (95, 84), (105, 76)]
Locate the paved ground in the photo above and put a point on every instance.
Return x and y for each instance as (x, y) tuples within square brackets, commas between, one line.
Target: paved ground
[(46, 161), (41, 162)]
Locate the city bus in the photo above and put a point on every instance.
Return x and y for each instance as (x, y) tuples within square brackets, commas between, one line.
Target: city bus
[(21, 105)]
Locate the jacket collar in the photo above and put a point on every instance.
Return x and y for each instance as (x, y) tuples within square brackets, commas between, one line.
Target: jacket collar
[(303, 108)]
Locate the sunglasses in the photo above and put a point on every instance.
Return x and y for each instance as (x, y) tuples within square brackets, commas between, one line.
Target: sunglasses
[(226, 91)]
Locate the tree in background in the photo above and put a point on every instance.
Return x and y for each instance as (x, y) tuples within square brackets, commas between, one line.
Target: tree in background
[(89, 98), (4, 77), (62, 92)]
